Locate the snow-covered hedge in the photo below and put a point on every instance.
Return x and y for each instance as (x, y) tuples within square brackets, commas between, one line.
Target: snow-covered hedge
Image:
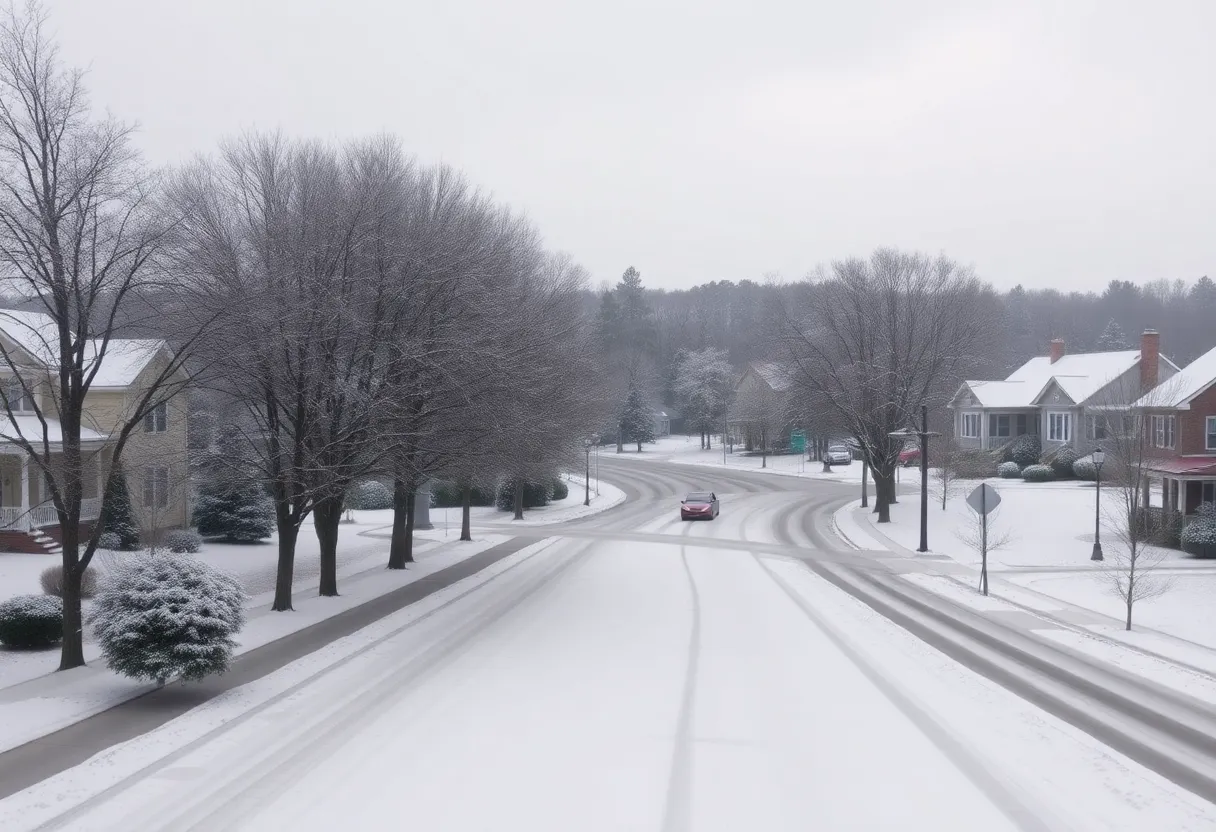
[(1025, 450), (369, 495), (535, 494), (1038, 473), (1199, 536), (110, 541), (449, 495), (559, 490), (1084, 469), (183, 541), (241, 515), (1062, 462), (166, 616), (51, 580), (1009, 470), (31, 621)]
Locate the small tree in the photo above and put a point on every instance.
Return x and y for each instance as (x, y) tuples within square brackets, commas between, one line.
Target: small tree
[(118, 514), (1112, 337), (948, 472), (984, 536), (637, 419), (235, 515), (169, 616)]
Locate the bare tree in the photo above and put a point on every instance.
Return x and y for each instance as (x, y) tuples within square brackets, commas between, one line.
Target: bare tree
[(764, 413), (875, 339), (948, 472), (984, 536), (80, 231)]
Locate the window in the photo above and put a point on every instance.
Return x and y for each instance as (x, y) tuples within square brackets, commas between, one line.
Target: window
[(157, 420), (1209, 492), (1163, 431), (156, 486), (998, 426), (1210, 433), (16, 396), (971, 425), (1059, 427), (1096, 428), (1023, 427)]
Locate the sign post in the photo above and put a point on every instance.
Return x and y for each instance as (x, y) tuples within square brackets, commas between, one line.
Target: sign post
[(983, 500)]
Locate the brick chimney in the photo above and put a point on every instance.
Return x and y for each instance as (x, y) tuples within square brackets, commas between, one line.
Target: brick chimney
[(1057, 349), (1150, 358)]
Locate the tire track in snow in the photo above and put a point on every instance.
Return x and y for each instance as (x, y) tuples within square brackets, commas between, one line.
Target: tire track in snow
[(677, 812)]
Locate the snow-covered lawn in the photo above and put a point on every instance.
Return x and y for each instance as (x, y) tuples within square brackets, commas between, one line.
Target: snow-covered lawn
[(1050, 531)]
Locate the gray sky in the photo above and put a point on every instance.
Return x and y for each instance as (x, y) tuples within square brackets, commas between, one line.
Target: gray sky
[(1048, 142)]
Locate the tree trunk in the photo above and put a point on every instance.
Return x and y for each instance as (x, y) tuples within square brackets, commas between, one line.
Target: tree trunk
[(466, 511), (519, 500), (71, 653), (709, 439), (884, 487), (865, 490), (399, 550), (763, 449), (326, 515), (410, 511), (288, 532), (620, 439)]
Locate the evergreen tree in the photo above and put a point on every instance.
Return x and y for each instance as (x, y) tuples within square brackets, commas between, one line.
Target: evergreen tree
[(236, 515), (118, 514), (637, 419), (1112, 338)]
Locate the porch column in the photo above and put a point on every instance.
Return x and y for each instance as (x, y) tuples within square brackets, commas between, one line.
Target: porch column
[(25, 492)]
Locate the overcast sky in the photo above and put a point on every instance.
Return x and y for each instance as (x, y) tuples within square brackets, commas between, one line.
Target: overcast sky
[(1052, 142)]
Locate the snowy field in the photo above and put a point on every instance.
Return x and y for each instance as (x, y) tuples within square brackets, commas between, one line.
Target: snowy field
[(590, 686)]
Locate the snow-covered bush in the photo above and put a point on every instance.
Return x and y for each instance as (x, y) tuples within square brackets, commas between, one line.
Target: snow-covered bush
[(118, 514), (31, 621), (110, 541), (560, 490), (1206, 510), (1009, 470), (1061, 462), (1025, 450), (234, 515), (535, 494), (51, 580), (450, 495), (1199, 537), (369, 495), (183, 541), (1084, 469), (1038, 473), (166, 616)]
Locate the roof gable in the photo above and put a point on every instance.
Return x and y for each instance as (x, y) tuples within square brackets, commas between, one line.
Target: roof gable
[(124, 360), (1054, 394), (1182, 387)]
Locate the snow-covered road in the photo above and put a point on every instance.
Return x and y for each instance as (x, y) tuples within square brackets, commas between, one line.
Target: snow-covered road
[(686, 677)]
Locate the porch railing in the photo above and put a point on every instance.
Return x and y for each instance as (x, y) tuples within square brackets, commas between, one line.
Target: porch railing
[(13, 518)]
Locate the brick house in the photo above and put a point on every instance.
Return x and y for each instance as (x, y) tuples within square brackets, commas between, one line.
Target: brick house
[(1067, 400), (1180, 416), (155, 458)]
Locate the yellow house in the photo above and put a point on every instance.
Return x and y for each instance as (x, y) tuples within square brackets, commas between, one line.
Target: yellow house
[(155, 456)]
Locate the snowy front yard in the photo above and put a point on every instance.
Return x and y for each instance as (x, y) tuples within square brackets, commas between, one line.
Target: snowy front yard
[(1050, 532)]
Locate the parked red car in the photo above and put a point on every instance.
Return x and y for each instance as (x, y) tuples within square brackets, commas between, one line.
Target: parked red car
[(700, 505), (910, 455)]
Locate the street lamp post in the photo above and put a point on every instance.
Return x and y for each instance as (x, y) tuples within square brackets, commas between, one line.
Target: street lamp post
[(1099, 457), (923, 435), (587, 474)]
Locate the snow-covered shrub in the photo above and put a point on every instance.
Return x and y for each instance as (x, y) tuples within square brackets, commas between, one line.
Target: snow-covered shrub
[(1009, 470), (535, 494), (1206, 510), (1084, 469), (449, 495), (109, 541), (1025, 450), (1038, 473), (31, 621), (234, 515), (369, 495), (183, 541), (51, 580), (1062, 461), (118, 514), (1199, 537), (971, 464), (166, 616), (560, 490)]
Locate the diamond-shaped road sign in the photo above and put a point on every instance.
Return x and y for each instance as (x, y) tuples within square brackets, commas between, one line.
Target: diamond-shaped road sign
[(984, 499)]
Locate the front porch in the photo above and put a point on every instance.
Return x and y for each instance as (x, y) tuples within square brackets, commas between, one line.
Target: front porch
[(26, 509)]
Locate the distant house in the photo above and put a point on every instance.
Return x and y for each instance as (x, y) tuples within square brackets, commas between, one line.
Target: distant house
[(761, 412), (155, 459), (1180, 417), (1067, 400)]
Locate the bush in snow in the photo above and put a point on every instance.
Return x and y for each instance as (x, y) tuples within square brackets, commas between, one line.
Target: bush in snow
[(535, 494), (1009, 470), (51, 580), (1038, 473), (1206, 510), (110, 541), (1062, 462), (183, 541), (560, 490), (118, 515), (31, 621), (166, 616), (1199, 537), (1084, 469), (1025, 450), (369, 495), (235, 515), (450, 495)]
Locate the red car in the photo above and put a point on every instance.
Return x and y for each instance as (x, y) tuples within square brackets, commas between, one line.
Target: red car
[(700, 505), (910, 455)]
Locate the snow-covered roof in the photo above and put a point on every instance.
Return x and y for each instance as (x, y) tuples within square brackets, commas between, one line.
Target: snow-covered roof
[(773, 374), (1184, 385), (122, 363), (30, 429), (1079, 376), (1001, 393)]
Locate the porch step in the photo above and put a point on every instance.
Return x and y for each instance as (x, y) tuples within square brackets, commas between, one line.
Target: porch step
[(45, 542)]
